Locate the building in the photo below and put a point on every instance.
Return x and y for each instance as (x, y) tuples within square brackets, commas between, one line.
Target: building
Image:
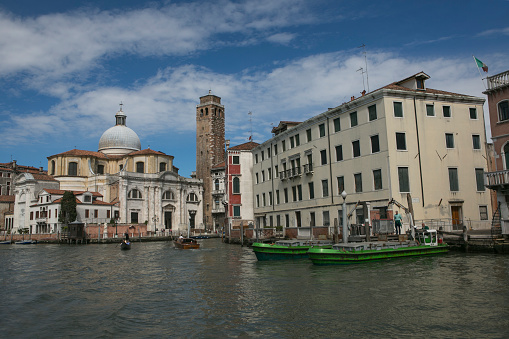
[(498, 178), (218, 189), (239, 177), (210, 148), (422, 147), (144, 183)]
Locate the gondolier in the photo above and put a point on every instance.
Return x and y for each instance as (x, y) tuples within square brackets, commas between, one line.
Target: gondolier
[(397, 222)]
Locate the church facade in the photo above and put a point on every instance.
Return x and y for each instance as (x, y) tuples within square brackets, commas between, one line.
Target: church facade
[(143, 184)]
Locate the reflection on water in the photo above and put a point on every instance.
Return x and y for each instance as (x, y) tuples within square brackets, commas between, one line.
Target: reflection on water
[(154, 290)]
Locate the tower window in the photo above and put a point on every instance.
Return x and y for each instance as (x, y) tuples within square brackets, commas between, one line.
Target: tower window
[(140, 167), (73, 168)]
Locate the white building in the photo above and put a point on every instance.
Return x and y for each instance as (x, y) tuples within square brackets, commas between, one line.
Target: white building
[(425, 148)]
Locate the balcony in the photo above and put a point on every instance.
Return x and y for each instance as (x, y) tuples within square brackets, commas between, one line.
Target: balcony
[(498, 180), (282, 175), (217, 209), (218, 192), (308, 169), (498, 80)]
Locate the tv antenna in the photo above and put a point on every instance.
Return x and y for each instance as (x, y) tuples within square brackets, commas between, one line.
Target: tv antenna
[(362, 73), (366, 64), (251, 124)]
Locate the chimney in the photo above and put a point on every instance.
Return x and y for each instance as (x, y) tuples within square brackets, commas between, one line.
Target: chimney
[(41, 169)]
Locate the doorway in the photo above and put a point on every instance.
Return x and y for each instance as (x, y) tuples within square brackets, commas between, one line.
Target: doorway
[(457, 218), (167, 220)]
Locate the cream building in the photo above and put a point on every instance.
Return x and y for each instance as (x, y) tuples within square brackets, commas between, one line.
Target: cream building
[(145, 183), (425, 148)]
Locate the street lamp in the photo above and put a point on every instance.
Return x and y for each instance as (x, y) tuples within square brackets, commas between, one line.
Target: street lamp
[(345, 227)]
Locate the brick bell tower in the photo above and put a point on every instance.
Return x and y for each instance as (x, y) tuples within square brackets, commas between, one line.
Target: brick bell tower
[(209, 147)]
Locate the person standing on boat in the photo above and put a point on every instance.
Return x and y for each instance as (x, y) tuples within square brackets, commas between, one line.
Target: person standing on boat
[(397, 222), (126, 236)]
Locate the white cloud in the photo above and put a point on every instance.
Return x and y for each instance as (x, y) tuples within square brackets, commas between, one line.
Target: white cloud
[(293, 91), (500, 31), (281, 38)]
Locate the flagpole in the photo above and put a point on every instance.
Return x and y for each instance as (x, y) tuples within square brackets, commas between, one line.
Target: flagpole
[(480, 75)]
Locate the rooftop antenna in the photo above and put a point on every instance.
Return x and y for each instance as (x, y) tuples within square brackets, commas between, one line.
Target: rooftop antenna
[(366, 62), (362, 73), (251, 123), (121, 104)]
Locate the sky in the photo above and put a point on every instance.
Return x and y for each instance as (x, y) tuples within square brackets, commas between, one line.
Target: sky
[(65, 66)]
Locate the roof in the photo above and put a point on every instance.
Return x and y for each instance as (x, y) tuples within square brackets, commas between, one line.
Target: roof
[(61, 192), (244, 147), (146, 151), (283, 126), (44, 177), (220, 165), (81, 153)]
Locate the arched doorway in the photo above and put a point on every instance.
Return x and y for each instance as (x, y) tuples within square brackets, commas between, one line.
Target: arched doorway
[(168, 214)]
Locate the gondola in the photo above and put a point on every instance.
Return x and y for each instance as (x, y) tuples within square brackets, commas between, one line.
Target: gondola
[(125, 245)]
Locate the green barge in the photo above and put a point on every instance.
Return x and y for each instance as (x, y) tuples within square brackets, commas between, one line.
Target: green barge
[(287, 249), (427, 243)]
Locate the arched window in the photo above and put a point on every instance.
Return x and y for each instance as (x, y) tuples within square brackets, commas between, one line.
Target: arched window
[(236, 185), (503, 110), (73, 168), (506, 156), (192, 197), (140, 167), (201, 112), (134, 194), (168, 195), (216, 185), (52, 167)]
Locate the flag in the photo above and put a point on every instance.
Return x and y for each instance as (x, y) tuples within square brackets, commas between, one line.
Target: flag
[(481, 64), (250, 137)]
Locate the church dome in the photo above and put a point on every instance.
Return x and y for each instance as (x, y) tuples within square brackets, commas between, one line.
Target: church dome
[(119, 139)]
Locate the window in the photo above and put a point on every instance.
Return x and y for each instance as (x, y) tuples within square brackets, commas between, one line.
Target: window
[(283, 145), (299, 192), (256, 159), (263, 156), (483, 212), (326, 219), (503, 110), (140, 167), (269, 174), (257, 200), (404, 183), (308, 134), (398, 109), (236, 160), (216, 185), (341, 184), (325, 188), (236, 185), (420, 83), (453, 180), (268, 152), (285, 192), (297, 140), (321, 128), (312, 219), (446, 110), (263, 199), (476, 141), (449, 140), (270, 198), (356, 147), (400, 141), (100, 169), (298, 219), (339, 153), (134, 217), (375, 144), (311, 188), (292, 143), (358, 182), (73, 168), (294, 193), (372, 112), (479, 179), (263, 176), (275, 149), (276, 171), (134, 194), (87, 214), (353, 119), (236, 211), (430, 110), (377, 179), (168, 195), (473, 113), (96, 213), (257, 178), (108, 214), (337, 125), (277, 197), (192, 197), (162, 167), (323, 156)]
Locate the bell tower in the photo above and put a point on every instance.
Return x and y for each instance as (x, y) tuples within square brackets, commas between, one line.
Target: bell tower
[(210, 148)]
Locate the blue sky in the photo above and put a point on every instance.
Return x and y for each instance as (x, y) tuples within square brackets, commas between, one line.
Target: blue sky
[(66, 65)]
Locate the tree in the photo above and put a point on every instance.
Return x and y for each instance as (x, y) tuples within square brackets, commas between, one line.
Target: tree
[(67, 208)]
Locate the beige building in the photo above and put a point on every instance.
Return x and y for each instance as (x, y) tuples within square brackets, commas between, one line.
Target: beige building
[(423, 147), (146, 185)]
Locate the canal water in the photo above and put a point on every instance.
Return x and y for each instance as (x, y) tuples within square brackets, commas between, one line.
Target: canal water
[(220, 290)]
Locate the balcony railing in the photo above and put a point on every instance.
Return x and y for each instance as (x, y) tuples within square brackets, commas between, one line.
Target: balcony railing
[(308, 168), (498, 178), (218, 192), (498, 80), (219, 209), (282, 175)]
